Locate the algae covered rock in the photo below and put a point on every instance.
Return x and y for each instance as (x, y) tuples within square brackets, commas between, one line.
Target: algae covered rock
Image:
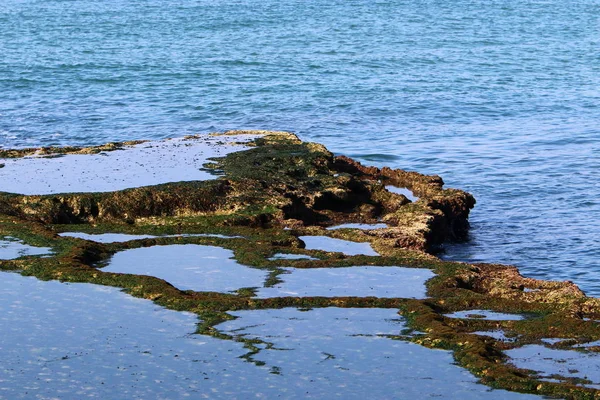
[(261, 195), (280, 181)]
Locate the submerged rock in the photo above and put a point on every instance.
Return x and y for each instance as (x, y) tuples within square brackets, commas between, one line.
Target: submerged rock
[(276, 197)]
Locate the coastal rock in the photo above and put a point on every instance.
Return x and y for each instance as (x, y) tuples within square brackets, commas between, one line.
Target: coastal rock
[(264, 199), (295, 181)]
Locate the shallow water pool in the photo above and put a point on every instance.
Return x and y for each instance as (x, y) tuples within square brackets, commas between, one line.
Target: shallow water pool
[(188, 267)]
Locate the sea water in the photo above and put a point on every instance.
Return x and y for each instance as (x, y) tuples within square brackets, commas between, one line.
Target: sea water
[(500, 98)]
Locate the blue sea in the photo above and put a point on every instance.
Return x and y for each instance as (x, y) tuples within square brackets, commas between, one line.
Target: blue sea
[(499, 97)]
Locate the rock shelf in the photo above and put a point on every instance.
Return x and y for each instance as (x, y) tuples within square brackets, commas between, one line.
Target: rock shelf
[(266, 201)]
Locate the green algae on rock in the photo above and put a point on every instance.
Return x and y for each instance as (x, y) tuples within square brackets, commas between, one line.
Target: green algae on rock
[(260, 203)]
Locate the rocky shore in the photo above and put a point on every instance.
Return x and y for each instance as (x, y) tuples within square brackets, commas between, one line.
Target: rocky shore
[(266, 197)]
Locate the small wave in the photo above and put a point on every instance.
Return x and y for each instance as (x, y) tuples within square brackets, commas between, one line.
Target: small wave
[(240, 63), (376, 157)]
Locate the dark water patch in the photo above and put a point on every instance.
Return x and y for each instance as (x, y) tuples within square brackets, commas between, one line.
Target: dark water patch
[(378, 158)]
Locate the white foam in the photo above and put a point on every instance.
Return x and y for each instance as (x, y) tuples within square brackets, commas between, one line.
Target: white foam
[(551, 341), (595, 343)]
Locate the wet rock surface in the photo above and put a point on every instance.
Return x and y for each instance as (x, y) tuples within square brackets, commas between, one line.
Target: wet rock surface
[(275, 198)]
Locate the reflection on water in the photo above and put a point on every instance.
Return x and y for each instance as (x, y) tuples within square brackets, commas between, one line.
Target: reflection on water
[(404, 191), (351, 281), (106, 237), (551, 362), (85, 341), (188, 267), (358, 226), (486, 314), (344, 353), (497, 334), (145, 164), (343, 246), (285, 256), (125, 237), (11, 248)]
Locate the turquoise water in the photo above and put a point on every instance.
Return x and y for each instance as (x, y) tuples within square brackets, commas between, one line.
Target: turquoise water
[(501, 98)]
